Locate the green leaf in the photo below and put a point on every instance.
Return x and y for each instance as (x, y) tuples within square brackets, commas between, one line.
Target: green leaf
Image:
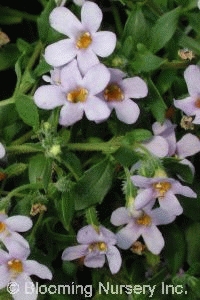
[(15, 169), (8, 56), (39, 170), (156, 103), (72, 163), (93, 185), (175, 248), (9, 16), (27, 110), (136, 26), (145, 60), (192, 234), (137, 135), (126, 156), (66, 209), (177, 168), (164, 29)]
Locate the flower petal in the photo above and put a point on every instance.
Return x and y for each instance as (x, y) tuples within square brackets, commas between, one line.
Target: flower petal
[(109, 236), (128, 235), (32, 267), (60, 53), (171, 204), (96, 79), (2, 151), (70, 113), (64, 21), (87, 235), (135, 87), (153, 239), (186, 191), (120, 216), (27, 289), (186, 105), (19, 223), (91, 16), (103, 43), (141, 181), (4, 276), (75, 252), (161, 217), (96, 109), (192, 78), (94, 260), (86, 59), (143, 198), (183, 147), (70, 76), (158, 146), (49, 97), (127, 111), (114, 259)]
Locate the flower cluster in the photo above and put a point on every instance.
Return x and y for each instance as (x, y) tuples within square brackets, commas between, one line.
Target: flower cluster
[(14, 266), (79, 82)]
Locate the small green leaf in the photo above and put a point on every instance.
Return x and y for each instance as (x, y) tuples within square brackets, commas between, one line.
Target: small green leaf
[(66, 210), (156, 102), (8, 56), (175, 248), (27, 110), (192, 234), (39, 170), (164, 29), (126, 156), (93, 185), (145, 60), (137, 135), (15, 169), (136, 26)]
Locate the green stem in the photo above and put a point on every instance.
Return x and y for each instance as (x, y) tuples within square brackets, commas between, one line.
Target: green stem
[(25, 148), (35, 228), (117, 19), (105, 147), (91, 217), (7, 101), (31, 186), (17, 13), (23, 138)]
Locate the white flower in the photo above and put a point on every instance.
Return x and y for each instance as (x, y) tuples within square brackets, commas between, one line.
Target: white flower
[(10, 226), (2, 151), (83, 42), (16, 269)]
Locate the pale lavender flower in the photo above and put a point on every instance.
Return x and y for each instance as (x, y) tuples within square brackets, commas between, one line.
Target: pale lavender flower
[(76, 94), (180, 149), (97, 245), (143, 224), (119, 92), (163, 189), (84, 41), (15, 270), (2, 151), (54, 77), (191, 105), (10, 226)]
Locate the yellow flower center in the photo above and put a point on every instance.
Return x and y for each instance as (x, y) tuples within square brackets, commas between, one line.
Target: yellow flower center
[(2, 227), (84, 41), (197, 103), (100, 246), (162, 188), (78, 95), (15, 265), (113, 93), (144, 220)]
